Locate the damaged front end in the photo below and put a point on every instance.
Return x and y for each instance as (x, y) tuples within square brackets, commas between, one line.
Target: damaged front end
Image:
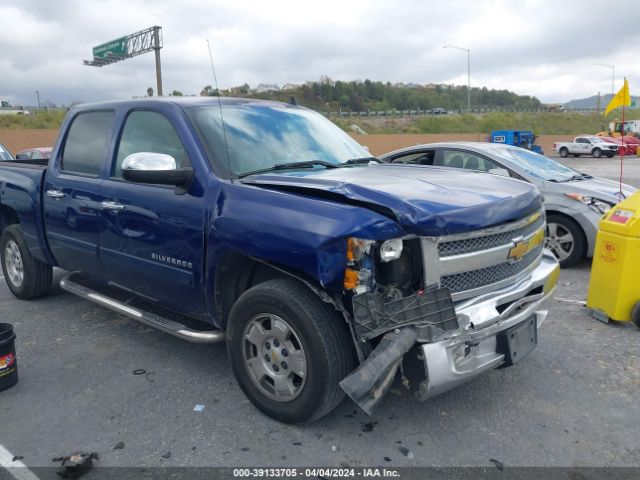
[(460, 305)]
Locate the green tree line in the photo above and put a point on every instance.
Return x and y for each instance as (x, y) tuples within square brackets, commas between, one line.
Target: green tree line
[(327, 94)]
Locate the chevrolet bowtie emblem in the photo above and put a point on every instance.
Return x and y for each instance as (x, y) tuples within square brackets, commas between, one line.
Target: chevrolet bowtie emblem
[(519, 250)]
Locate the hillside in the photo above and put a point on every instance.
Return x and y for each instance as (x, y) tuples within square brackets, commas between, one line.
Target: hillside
[(592, 102), (328, 95)]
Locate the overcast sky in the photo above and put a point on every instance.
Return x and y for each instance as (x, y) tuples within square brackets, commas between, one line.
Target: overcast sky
[(541, 48)]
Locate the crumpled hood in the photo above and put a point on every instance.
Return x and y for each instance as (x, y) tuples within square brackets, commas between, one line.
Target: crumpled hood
[(425, 201)]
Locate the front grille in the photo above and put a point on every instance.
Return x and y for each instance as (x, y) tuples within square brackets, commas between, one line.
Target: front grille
[(468, 245), (460, 282)]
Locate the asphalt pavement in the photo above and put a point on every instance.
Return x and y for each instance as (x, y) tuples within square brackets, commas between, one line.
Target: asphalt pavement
[(572, 402)]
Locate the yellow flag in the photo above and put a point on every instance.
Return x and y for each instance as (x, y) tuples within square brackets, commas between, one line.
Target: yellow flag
[(621, 98)]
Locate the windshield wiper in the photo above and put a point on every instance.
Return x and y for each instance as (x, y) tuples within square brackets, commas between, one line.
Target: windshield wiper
[(362, 161), (291, 166)]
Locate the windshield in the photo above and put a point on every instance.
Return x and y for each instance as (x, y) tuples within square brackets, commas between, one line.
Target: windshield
[(4, 154), (261, 136), (538, 165)]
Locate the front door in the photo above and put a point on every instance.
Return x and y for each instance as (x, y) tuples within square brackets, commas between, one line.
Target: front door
[(72, 194), (153, 240)]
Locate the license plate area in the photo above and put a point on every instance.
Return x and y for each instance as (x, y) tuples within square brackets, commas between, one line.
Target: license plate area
[(518, 341)]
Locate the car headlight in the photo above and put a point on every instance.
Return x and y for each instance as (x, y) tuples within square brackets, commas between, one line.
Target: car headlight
[(597, 205), (362, 255), (391, 250)]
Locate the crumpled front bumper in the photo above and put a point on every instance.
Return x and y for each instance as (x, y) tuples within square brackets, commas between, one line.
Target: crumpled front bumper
[(473, 348)]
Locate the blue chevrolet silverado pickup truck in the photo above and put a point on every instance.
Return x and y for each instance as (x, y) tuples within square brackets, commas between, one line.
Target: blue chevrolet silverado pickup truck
[(264, 225)]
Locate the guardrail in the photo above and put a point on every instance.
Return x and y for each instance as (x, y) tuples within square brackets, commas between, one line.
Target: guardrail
[(415, 113)]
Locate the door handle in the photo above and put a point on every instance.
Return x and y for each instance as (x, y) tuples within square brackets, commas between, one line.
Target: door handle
[(55, 194), (113, 206)]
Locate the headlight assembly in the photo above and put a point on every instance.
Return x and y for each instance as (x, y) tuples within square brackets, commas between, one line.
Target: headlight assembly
[(597, 205)]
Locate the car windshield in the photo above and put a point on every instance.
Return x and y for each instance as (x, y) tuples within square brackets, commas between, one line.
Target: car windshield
[(4, 154), (538, 165), (264, 136)]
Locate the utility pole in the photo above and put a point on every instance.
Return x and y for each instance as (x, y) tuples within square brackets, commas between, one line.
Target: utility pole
[(38, 97), (468, 73)]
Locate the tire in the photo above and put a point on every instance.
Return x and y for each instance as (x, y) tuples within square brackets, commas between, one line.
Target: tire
[(564, 152), (558, 227), (596, 152), (635, 315), (314, 332), (610, 155), (26, 277)]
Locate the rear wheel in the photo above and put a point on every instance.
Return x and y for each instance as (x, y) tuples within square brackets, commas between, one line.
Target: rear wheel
[(564, 152), (288, 350), (596, 152), (565, 239), (27, 277)]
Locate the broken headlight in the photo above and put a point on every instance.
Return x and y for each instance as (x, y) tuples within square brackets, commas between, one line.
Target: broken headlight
[(599, 206)]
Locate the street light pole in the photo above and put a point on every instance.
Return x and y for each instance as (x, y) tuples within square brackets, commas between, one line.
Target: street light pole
[(613, 76), (38, 97), (468, 73)]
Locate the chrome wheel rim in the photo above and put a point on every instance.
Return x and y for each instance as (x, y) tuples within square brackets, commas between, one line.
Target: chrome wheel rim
[(13, 263), (559, 240), (273, 357)]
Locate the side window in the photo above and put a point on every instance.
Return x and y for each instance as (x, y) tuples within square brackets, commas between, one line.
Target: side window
[(416, 158), (146, 131), (581, 140), (467, 160), (86, 143)]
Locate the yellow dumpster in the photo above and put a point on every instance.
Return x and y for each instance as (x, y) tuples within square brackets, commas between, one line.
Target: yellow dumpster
[(614, 288)]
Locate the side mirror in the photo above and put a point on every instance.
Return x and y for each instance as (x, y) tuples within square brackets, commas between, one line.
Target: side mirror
[(503, 172), (22, 156), (157, 169)]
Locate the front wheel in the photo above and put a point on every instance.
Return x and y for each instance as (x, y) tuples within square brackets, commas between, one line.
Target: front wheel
[(27, 277), (610, 155), (288, 351), (565, 239), (597, 153), (564, 152)]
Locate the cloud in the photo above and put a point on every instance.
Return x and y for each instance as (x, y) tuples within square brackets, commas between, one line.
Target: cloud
[(540, 48)]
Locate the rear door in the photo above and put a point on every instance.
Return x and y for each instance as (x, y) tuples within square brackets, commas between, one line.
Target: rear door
[(153, 241), (72, 195)]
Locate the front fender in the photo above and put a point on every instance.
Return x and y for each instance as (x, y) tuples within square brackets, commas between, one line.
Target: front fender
[(300, 233)]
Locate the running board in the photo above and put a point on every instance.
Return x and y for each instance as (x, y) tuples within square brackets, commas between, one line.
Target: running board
[(150, 319)]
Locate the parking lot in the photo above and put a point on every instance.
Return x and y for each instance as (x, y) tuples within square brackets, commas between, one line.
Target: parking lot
[(573, 402)]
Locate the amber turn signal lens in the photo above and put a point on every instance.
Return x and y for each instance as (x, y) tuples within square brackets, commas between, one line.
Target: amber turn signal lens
[(350, 279)]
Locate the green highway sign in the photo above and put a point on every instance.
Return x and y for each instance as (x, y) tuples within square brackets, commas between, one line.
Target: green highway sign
[(114, 48)]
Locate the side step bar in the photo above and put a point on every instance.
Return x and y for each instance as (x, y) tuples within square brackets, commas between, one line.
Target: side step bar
[(150, 319)]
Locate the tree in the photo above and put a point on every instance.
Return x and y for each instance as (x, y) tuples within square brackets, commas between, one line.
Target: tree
[(209, 91), (149, 92), (177, 93)]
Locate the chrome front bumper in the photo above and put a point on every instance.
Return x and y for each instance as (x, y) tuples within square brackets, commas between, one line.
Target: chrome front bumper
[(473, 348)]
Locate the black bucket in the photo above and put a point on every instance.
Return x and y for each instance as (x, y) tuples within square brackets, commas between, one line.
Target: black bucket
[(8, 361)]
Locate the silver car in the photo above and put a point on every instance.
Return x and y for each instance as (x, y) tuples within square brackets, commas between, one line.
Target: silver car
[(574, 201)]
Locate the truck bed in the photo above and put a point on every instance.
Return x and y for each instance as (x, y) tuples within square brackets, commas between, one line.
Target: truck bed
[(32, 164)]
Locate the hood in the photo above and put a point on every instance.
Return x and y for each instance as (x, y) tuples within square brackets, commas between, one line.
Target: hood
[(425, 201), (600, 188)]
